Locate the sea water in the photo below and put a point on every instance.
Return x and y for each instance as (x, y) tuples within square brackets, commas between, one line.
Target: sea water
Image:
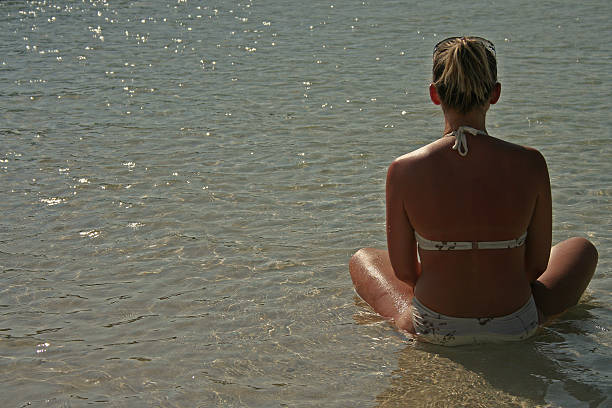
[(183, 183)]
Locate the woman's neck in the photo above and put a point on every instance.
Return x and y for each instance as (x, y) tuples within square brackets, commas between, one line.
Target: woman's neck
[(474, 119)]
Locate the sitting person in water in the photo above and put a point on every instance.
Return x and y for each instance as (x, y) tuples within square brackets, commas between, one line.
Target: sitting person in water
[(478, 212)]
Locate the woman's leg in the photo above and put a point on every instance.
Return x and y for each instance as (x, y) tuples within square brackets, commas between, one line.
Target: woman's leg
[(570, 268), (376, 283)]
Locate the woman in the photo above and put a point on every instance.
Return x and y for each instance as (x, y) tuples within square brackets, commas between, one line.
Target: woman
[(477, 210)]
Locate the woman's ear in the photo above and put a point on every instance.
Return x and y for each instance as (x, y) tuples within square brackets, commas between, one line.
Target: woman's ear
[(433, 94), (495, 94)]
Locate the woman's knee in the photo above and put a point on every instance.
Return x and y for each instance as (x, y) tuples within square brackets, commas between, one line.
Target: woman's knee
[(576, 250), (367, 256), (584, 244), (589, 249), (358, 264), (359, 258), (570, 270), (587, 252)]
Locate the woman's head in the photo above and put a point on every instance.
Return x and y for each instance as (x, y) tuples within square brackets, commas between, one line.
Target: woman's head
[(464, 72)]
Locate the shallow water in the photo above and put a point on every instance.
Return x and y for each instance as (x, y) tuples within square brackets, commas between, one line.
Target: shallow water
[(184, 182)]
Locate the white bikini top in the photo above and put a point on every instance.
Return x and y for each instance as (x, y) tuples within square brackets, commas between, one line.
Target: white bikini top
[(424, 243), (430, 245), (461, 141)]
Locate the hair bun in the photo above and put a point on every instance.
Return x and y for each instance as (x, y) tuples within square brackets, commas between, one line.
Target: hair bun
[(464, 72)]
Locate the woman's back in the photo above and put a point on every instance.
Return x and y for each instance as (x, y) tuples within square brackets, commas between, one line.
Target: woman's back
[(480, 212), (489, 194)]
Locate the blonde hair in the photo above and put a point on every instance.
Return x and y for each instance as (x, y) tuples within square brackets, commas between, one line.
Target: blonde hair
[(464, 72)]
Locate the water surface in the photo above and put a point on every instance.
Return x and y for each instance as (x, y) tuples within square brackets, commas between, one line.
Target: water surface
[(184, 182)]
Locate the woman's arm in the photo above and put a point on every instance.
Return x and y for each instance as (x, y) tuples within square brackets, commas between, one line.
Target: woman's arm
[(539, 232), (400, 234)]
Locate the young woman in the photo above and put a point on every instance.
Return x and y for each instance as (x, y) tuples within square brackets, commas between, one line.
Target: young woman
[(477, 210)]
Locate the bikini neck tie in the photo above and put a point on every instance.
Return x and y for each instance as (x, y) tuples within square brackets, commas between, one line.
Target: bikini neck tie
[(460, 139)]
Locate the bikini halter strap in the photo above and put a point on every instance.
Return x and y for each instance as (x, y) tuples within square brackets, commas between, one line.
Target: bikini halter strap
[(460, 139)]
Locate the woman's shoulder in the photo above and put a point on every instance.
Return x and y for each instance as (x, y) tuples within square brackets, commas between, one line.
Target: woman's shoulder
[(528, 155), (525, 162), (537, 166), (419, 155), (528, 151), (415, 166), (437, 152)]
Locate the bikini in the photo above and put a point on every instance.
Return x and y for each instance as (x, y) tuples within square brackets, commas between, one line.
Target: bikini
[(437, 328), (429, 245)]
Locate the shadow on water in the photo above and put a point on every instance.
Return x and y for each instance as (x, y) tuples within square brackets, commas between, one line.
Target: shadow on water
[(544, 371)]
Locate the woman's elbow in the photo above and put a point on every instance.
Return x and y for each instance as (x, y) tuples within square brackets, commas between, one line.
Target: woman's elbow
[(408, 278), (534, 273)]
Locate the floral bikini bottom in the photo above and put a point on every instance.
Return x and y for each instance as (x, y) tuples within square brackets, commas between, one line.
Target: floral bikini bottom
[(437, 328)]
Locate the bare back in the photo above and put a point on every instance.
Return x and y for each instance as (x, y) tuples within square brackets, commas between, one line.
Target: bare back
[(496, 192)]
